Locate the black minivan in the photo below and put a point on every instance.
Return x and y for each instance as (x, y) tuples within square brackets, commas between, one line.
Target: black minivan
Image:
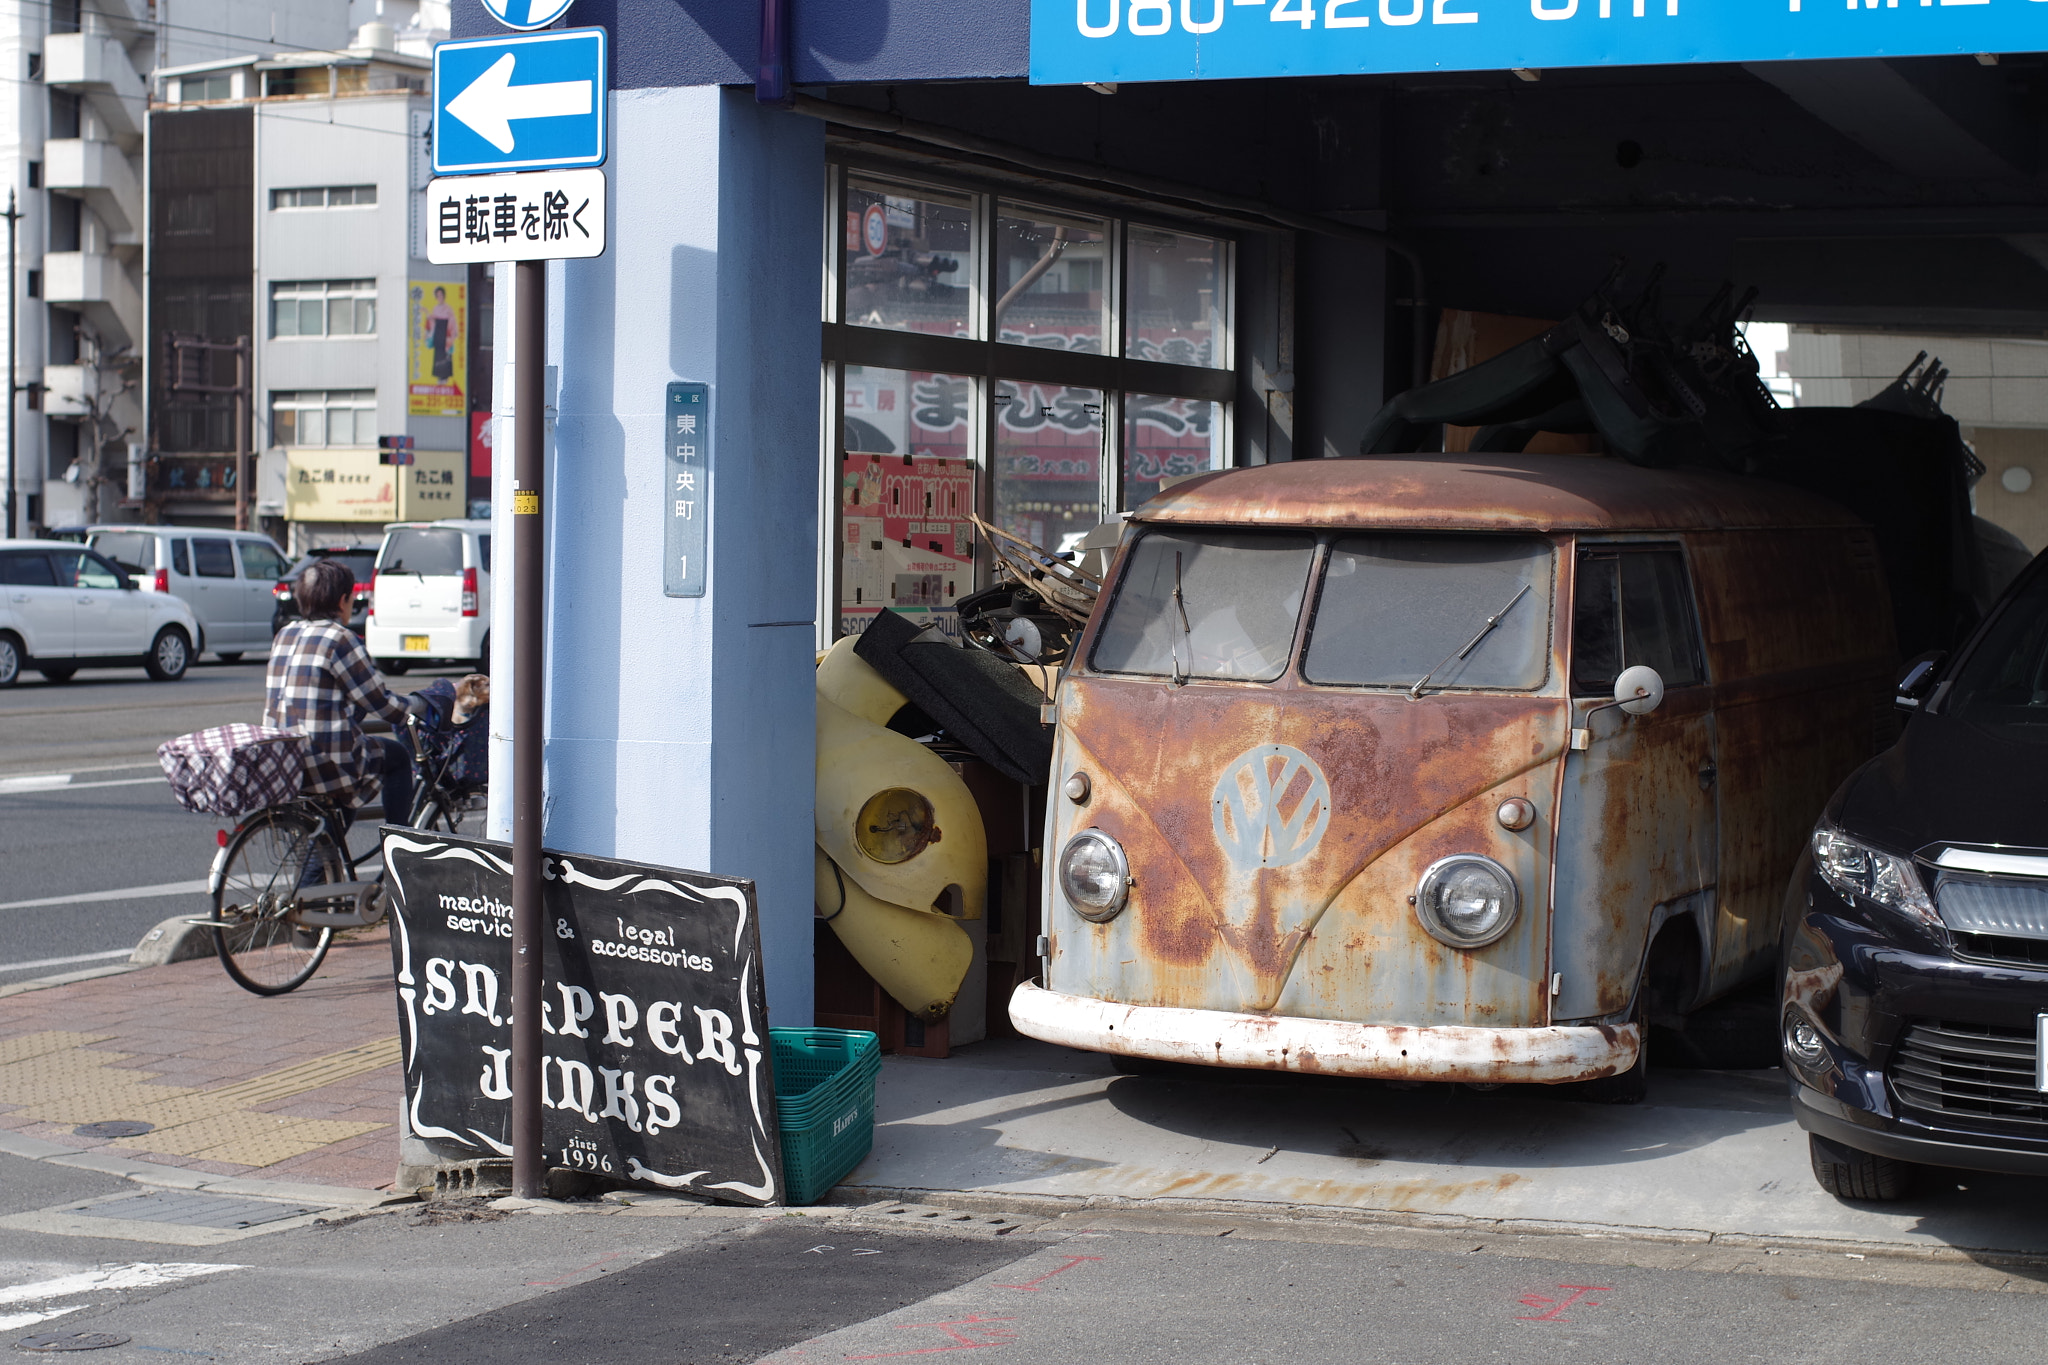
[(1915, 1025)]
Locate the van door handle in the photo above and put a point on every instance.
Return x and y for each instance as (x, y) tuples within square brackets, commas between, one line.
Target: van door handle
[(1708, 773)]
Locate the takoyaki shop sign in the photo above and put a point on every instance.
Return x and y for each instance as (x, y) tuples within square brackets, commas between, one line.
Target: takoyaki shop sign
[(655, 1066)]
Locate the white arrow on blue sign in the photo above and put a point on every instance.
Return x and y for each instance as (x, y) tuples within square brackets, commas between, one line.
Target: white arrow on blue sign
[(526, 103)]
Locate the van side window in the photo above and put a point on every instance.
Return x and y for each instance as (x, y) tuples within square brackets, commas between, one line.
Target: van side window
[(215, 558), (180, 562), (1633, 606), (484, 546), (260, 561)]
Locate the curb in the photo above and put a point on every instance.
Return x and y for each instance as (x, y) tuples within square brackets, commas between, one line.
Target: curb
[(1056, 1206), (178, 1178), (176, 939)]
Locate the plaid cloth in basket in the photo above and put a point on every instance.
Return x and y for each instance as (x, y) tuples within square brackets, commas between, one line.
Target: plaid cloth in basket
[(230, 769)]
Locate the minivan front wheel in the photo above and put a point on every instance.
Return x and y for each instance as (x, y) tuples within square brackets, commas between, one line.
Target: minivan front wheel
[(10, 660), (1847, 1173), (170, 654)]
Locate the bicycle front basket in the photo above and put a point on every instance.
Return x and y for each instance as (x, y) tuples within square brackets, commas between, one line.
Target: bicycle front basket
[(231, 769)]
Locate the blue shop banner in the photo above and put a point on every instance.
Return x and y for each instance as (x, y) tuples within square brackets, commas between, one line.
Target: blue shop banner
[(1106, 41)]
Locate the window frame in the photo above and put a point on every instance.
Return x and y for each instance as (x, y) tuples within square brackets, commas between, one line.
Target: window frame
[(987, 361), (326, 293), (330, 400)]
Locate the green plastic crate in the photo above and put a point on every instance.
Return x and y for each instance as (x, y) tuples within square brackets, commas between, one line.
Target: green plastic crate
[(825, 1105)]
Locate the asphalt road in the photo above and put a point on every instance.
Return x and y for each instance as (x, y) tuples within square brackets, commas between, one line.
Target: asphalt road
[(466, 1284), (86, 819)]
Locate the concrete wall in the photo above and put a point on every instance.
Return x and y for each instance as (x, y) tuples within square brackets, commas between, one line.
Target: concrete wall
[(711, 275)]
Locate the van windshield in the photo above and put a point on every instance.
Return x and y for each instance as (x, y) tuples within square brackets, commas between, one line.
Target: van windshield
[(1396, 609), (431, 552), (1239, 597), (2005, 680)]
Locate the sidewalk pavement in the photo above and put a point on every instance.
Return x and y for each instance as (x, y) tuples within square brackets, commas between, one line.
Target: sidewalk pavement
[(301, 1087)]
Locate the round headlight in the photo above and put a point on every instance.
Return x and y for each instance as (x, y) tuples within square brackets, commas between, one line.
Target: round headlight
[(1094, 874), (1466, 901)]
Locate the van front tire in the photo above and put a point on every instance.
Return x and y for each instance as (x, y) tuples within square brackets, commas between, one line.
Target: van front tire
[(10, 659), (1847, 1173)]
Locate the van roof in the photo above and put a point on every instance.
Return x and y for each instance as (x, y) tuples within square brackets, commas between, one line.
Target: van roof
[(1488, 492)]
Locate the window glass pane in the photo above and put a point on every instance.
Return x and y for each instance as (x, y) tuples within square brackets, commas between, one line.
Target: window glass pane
[(431, 552), (27, 569), (1657, 616), (483, 545), (366, 317), (284, 316), (341, 317), (1596, 626), (259, 560), (1175, 298), (1168, 438), (1395, 609), (312, 320), (1048, 460), (906, 488), (94, 572), (1052, 274), (1240, 596), (312, 427), (341, 427), (134, 550), (180, 562), (284, 427), (214, 558), (2003, 684), (909, 259)]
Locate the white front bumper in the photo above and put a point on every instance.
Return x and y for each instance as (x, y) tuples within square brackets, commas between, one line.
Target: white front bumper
[(1549, 1055)]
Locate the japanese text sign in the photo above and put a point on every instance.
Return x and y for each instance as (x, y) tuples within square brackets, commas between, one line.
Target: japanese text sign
[(534, 216), (687, 501), (655, 1061), (1105, 41)]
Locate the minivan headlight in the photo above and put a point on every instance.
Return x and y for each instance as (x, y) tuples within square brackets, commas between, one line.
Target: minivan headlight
[(1095, 875), (1466, 900), (1856, 870)]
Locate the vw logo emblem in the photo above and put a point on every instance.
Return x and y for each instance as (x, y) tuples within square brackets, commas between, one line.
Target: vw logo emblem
[(526, 13), (1270, 807)]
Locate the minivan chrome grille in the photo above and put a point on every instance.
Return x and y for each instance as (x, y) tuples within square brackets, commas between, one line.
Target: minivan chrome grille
[(1969, 1071), (2023, 952)]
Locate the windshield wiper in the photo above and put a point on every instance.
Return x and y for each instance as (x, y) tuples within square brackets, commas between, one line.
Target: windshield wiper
[(1484, 631), (1180, 605)]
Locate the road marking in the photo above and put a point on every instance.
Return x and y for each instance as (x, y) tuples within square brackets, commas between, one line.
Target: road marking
[(126, 893), (11, 786), (137, 1275), (98, 768), (10, 1321), (65, 961)]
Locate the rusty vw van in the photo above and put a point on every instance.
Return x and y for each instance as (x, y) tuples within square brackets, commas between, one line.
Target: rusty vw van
[(1446, 767)]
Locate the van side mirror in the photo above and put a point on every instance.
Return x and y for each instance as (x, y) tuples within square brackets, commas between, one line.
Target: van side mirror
[(1918, 680), (1639, 690)]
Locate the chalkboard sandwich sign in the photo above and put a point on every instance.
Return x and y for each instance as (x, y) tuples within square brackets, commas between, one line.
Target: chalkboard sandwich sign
[(656, 1068)]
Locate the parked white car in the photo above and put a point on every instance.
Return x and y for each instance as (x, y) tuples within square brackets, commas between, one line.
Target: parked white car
[(63, 608), (228, 578), (430, 601)]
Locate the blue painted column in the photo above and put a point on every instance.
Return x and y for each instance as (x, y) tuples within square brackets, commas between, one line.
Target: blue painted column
[(680, 730)]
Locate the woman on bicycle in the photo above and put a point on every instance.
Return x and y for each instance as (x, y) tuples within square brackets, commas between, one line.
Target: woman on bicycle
[(321, 683)]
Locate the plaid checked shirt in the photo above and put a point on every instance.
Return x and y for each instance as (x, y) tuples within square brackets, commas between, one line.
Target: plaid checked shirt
[(320, 683)]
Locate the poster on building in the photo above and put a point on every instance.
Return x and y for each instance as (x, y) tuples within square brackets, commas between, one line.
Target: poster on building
[(432, 487), (480, 433), (655, 1064), (906, 491), (437, 353)]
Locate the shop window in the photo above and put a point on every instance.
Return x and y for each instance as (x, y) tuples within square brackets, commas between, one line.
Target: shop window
[(346, 417), (1048, 462), (323, 308), (301, 80), (1167, 439), (1178, 305), (910, 259), (1067, 364), (906, 490), (219, 86)]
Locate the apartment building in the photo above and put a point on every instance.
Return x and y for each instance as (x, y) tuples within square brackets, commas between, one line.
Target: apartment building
[(72, 129)]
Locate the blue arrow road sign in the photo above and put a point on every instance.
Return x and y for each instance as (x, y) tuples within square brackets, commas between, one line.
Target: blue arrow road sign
[(520, 103)]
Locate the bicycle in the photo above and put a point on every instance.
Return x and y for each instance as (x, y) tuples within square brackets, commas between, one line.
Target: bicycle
[(285, 880)]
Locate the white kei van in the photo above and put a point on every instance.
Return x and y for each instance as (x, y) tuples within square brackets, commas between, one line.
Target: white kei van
[(228, 578), (430, 599)]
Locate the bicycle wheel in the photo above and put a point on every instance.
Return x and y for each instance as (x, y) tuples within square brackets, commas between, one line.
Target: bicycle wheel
[(446, 813), (268, 860)]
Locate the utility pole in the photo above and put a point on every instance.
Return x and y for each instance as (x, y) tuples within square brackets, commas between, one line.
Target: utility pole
[(13, 216), (529, 432), (242, 424)]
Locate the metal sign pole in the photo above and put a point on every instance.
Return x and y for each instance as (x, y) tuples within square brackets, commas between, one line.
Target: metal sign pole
[(529, 1162)]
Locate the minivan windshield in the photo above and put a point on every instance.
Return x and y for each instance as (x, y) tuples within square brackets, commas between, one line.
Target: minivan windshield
[(1207, 604), (2004, 682), (1459, 611), (430, 551)]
